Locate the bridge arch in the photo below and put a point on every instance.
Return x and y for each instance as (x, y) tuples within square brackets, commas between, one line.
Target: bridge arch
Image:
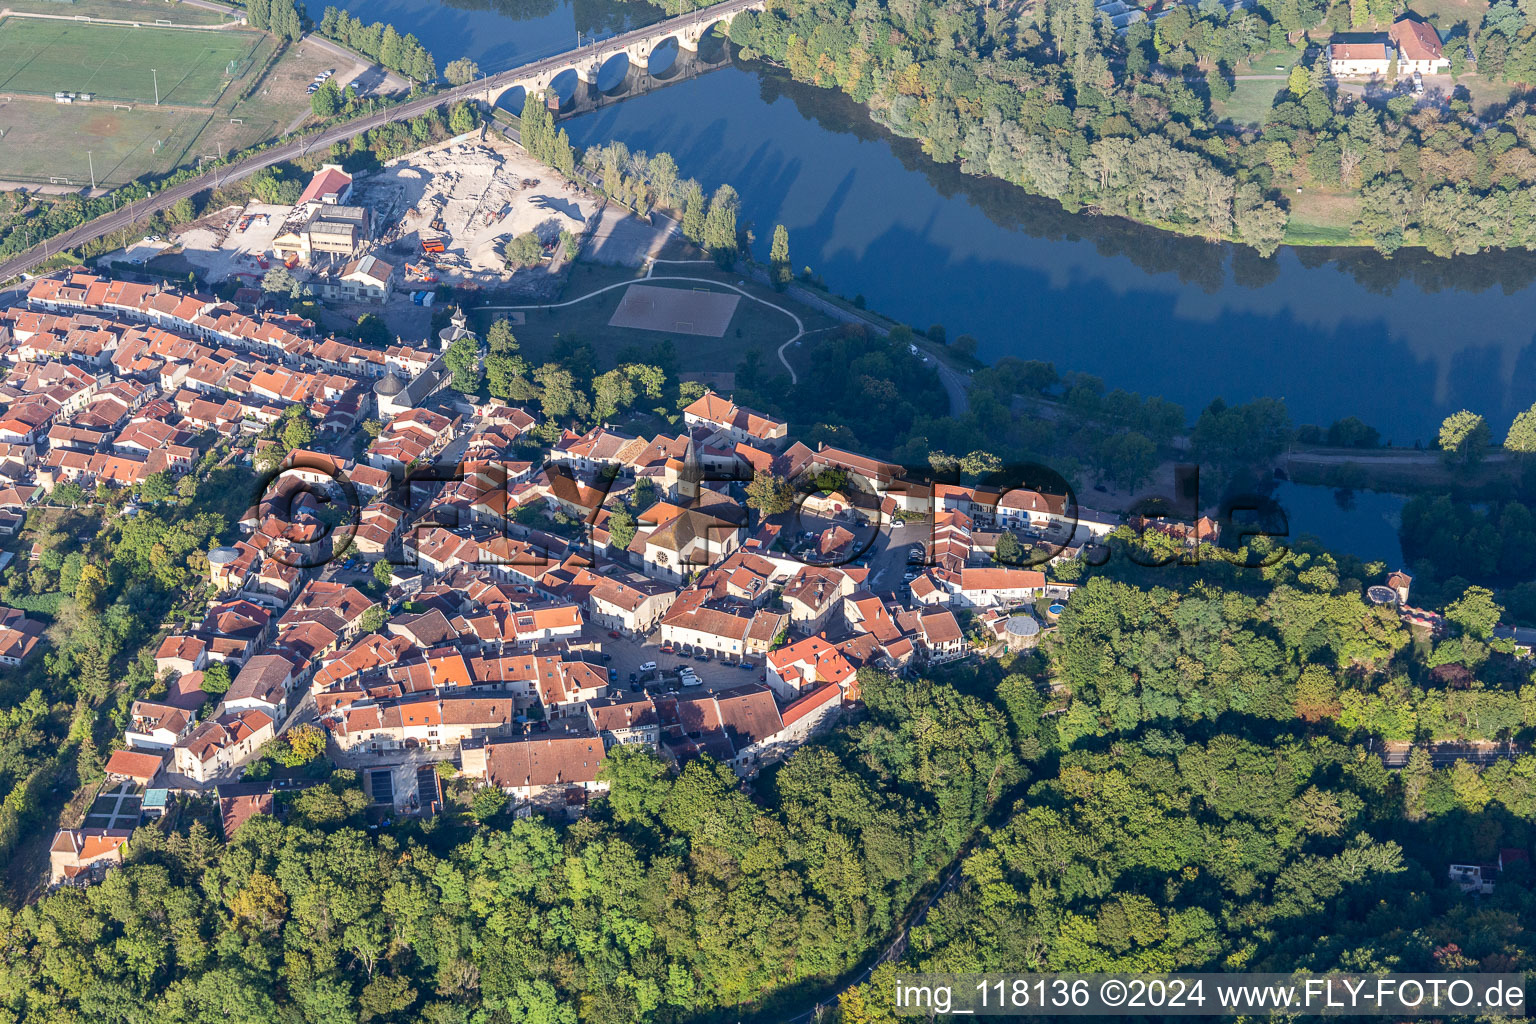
[(586, 64), (513, 99), (612, 72), (666, 58)]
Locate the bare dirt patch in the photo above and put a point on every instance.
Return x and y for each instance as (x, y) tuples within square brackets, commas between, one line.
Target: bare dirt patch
[(475, 197), (676, 310)]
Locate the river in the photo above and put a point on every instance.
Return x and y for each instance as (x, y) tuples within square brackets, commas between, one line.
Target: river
[(1399, 343)]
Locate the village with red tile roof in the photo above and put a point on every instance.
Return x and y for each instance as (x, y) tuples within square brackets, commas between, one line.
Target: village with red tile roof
[(510, 590)]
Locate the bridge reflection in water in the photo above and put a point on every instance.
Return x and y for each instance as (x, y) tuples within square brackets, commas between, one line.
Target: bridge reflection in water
[(635, 63)]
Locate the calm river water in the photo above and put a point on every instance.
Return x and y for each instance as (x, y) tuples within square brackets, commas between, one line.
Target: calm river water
[(1399, 343)]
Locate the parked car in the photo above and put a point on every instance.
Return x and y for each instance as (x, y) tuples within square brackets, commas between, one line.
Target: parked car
[(606, 656), (649, 666), (634, 677), (691, 680), (746, 666), (701, 656), (666, 648), (614, 633), (613, 675)]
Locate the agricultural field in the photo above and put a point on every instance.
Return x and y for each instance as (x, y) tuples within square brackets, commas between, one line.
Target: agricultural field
[(121, 63)]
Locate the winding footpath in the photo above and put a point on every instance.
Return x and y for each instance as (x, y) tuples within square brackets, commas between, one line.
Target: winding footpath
[(651, 275)]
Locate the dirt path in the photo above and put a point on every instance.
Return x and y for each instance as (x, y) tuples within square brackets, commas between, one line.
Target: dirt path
[(221, 26), (390, 81), (650, 275)]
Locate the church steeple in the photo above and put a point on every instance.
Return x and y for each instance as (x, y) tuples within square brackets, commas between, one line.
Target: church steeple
[(692, 473)]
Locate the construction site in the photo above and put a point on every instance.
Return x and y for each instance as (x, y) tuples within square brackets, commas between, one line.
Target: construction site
[(448, 213)]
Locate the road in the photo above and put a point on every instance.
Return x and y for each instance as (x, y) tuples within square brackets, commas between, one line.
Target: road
[(897, 947), (123, 218), (956, 385), (1395, 755), (1386, 457)]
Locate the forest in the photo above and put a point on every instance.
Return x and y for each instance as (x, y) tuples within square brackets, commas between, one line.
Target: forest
[(382, 43), (1053, 100), (103, 583), (1171, 826)]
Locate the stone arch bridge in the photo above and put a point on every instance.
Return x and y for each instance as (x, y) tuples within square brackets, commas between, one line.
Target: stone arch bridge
[(636, 46)]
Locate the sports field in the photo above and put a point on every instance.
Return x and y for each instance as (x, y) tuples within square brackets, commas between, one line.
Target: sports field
[(43, 141), (117, 62), (683, 311)]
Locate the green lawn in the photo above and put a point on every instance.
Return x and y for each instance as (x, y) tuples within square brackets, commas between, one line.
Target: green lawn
[(1303, 233), (754, 327), (1250, 102), (119, 63), (1266, 63), (1445, 14), (147, 11), (43, 140)]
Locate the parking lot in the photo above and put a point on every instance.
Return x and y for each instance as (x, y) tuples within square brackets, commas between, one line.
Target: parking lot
[(629, 653), (888, 556), (219, 253)]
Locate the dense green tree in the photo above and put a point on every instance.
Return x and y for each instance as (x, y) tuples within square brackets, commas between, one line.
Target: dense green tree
[(1475, 612), (778, 256), (462, 118), (769, 494), (621, 527), (525, 250), (461, 71), (463, 361), (1463, 437), (216, 678), (720, 224), (325, 102), (1522, 432), (157, 486)]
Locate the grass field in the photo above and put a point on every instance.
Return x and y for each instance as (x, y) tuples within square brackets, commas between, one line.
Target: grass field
[(1322, 217), (761, 329), (1445, 14), (41, 140), (119, 63), (44, 140), (1270, 62), (148, 11), (1250, 102)]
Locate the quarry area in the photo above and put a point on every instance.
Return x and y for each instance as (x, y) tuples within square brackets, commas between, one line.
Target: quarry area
[(472, 198)]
